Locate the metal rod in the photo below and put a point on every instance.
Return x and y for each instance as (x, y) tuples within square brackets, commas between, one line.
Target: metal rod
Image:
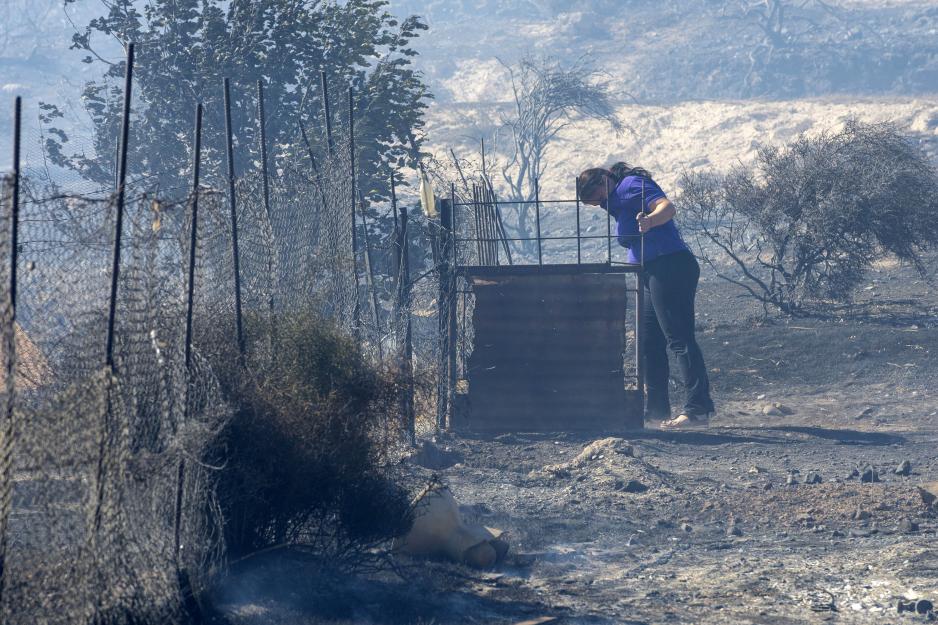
[(393, 202), (446, 316), (451, 315), (485, 176), (312, 162), (523, 202), (579, 252), (640, 305), (357, 311), (15, 209), (487, 226), (461, 365), (608, 224), (309, 148), (501, 232), (115, 274), (193, 233), (641, 260), (452, 198), (462, 176), (640, 337), (484, 235), (403, 297), (537, 219), (585, 237), (121, 194), (117, 160), (369, 272), (398, 248), (492, 227), (477, 214), (190, 292), (177, 532), (499, 224), (565, 269), (488, 222), (262, 123), (326, 110), (398, 259), (232, 202), (7, 432)]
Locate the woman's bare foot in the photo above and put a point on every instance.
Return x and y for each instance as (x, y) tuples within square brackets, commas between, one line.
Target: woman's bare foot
[(685, 422)]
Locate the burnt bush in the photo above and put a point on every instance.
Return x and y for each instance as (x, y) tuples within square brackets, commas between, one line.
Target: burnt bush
[(308, 453), (800, 228)]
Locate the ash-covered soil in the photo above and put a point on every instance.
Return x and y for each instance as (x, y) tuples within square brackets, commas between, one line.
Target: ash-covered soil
[(649, 527), (762, 518), (719, 536)]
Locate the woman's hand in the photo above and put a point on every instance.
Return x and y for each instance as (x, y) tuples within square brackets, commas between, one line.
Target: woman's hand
[(645, 222), (662, 211)]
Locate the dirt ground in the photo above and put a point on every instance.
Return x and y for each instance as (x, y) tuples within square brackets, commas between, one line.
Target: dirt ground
[(719, 534)]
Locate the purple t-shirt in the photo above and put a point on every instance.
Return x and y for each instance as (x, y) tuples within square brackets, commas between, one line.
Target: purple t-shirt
[(625, 204)]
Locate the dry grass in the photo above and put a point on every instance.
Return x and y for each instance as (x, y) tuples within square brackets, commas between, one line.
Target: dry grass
[(309, 452)]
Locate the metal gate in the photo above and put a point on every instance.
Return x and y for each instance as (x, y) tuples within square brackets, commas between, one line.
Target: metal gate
[(541, 333)]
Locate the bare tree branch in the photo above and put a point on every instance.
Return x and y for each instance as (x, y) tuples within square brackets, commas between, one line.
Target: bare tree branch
[(548, 97), (801, 228)]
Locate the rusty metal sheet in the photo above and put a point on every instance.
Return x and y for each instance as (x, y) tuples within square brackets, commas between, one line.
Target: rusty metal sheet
[(548, 354)]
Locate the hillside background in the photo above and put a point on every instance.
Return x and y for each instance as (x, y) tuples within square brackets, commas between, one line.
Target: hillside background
[(700, 84), (692, 78)]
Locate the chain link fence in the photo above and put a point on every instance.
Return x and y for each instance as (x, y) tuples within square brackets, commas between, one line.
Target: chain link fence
[(107, 504)]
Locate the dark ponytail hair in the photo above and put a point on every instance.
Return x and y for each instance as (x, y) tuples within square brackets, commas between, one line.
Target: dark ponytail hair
[(593, 179), (622, 170)]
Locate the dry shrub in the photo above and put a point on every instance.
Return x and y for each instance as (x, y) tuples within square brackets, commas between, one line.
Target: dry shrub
[(800, 228), (308, 453)]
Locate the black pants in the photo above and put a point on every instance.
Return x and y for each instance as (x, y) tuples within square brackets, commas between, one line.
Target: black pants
[(668, 323)]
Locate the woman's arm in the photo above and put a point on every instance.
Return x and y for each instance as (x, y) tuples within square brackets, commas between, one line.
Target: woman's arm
[(662, 211)]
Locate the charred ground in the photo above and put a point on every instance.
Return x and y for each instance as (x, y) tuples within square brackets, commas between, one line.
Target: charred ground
[(719, 536)]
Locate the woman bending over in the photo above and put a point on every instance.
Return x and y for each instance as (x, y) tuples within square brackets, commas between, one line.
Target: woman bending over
[(670, 277)]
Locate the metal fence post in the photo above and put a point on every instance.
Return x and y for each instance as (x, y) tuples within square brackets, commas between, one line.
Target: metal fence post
[(394, 201), (326, 110), (190, 293), (7, 431), (406, 353), (115, 274), (15, 208), (608, 224), (370, 274), (357, 310), (447, 316), (578, 243), (477, 217), (485, 235), (537, 219), (262, 123), (196, 167), (232, 202), (185, 584), (639, 336), (121, 194), (312, 162)]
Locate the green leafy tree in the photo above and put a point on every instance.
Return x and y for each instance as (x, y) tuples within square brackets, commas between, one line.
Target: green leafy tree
[(184, 49)]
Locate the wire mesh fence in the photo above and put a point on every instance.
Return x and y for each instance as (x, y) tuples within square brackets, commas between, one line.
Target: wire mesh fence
[(107, 509)]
